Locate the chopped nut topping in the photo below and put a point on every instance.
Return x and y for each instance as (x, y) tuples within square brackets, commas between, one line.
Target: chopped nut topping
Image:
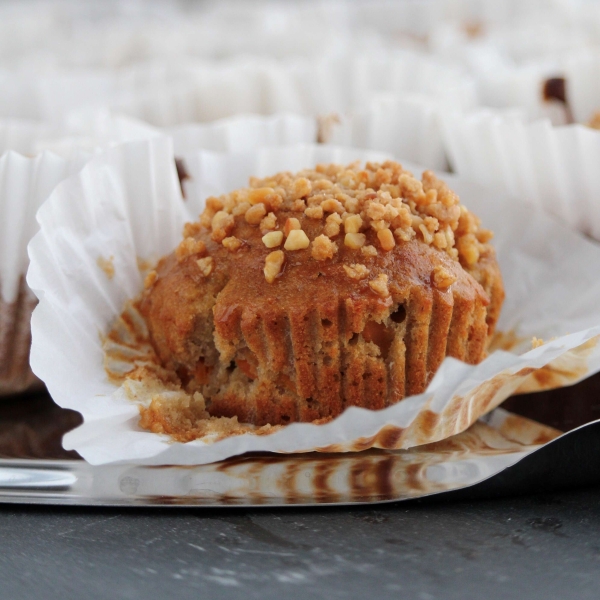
[(255, 214), (386, 239), (191, 229), (189, 247), (355, 240), (427, 236), (323, 248), (379, 285), (290, 225), (206, 265), (232, 243), (314, 212), (382, 200), (332, 225), (259, 195), (222, 224), (273, 239), (214, 204), (273, 264), (268, 223), (150, 279), (299, 206), (442, 278), (404, 235), (468, 248), (356, 271), (302, 188), (330, 205), (369, 251), (296, 240), (240, 209), (353, 224)]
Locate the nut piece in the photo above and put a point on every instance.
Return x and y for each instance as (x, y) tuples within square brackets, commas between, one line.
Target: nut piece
[(323, 248), (273, 264), (191, 229), (296, 240), (332, 225), (442, 278), (386, 239), (268, 223), (290, 225), (272, 239), (379, 285), (356, 271), (369, 251), (189, 247), (260, 195), (353, 224), (314, 212), (330, 205), (355, 240), (299, 206), (468, 248), (232, 243), (302, 188), (255, 214), (206, 265), (222, 223)]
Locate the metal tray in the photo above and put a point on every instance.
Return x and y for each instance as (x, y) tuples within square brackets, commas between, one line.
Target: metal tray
[(34, 469)]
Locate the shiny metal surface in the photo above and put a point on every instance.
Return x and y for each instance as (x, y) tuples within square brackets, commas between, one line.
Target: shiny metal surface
[(354, 478)]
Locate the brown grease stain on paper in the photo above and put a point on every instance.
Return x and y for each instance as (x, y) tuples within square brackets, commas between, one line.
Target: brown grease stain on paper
[(107, 266)]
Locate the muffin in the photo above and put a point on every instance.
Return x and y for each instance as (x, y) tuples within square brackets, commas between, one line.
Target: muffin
[(308, 293)]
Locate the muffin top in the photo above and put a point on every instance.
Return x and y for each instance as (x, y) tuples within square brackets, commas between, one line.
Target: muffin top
[(368, 210)]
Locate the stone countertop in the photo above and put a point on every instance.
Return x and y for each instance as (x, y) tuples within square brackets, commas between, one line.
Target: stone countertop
[(538, 546)]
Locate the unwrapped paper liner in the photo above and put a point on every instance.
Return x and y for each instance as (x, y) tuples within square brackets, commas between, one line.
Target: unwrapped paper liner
[(126, 206)]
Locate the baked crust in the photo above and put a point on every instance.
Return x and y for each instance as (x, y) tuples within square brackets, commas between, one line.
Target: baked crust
[(335, 327)]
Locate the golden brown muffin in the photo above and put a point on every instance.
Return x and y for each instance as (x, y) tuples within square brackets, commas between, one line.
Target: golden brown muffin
[(305, 294)]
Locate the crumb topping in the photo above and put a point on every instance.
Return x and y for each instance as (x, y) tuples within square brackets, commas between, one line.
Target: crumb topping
[(356, 271), (383, 198), (380, 285), (442, 278), (273, 264), (206, 265)]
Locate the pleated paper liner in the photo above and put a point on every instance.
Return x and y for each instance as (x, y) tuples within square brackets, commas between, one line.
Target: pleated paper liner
[(34, 157), (390, 101), (24, 184), (126, 206), (553, 168)]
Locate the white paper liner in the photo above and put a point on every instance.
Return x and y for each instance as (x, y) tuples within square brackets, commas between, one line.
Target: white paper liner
[(85, 131), (25, 182), (555, 168), (126, 205), (120, 33), (242, 133)]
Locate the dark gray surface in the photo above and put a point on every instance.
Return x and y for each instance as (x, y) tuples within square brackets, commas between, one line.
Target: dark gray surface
[(544, 546)]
